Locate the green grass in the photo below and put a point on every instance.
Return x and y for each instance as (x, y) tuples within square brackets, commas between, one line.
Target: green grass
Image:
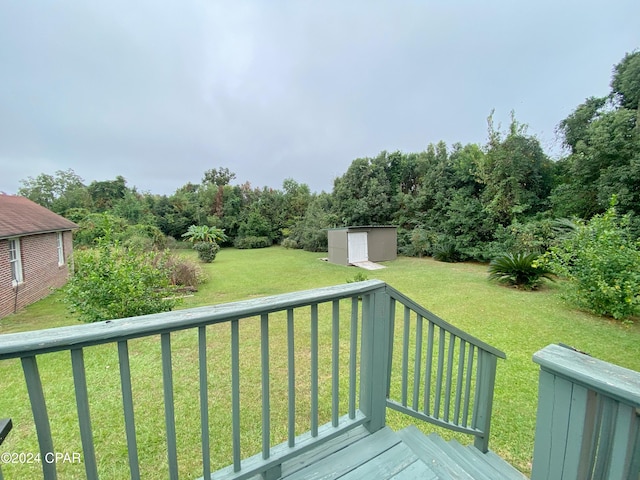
[(515, 321)]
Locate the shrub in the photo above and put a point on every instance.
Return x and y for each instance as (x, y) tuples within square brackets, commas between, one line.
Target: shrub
[(207, 251), (518, 270), (252, 242), (289, 243), (601, 260), (111, 281), (445, 251), (182, 272)]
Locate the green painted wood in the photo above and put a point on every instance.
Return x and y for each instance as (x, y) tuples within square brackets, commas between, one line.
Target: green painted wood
[(433, 456), (460, 376), (471, 464), (204, 402), (84, 417), (264, 362), (497, 462), (405, 356), (335, 362), (427, 370), (418, 470), (374, 358), (306, 446), (587, 425), (291, 371), (467, 385), (403, 299), (386, 465), (353, 345), (350, 458), (314, 370), (169, 409), (16, 345), (448, 382), (392, 404), (622, 445), (417, 364), (40, 415), (439, 373), (614, 381), (127, 407), (235, 394), (483, 405)]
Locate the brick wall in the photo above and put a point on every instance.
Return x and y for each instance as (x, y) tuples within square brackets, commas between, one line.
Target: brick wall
[(40, 270)]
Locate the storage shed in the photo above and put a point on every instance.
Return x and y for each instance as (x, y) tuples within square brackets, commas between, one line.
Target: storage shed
[(352, 245)]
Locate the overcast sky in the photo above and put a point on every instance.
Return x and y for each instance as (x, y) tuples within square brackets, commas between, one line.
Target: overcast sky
[(159, 91)]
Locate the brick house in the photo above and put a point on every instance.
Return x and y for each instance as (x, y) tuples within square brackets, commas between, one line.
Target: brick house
[(35, 248)]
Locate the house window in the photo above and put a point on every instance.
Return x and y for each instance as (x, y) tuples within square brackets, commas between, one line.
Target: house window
[(15, 261), (60, 249)]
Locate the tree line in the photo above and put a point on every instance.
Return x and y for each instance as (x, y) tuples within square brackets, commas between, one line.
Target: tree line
[(466, 201)]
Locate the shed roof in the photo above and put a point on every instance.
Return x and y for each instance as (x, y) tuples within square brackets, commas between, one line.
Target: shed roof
[(360, 227), (20, 216)]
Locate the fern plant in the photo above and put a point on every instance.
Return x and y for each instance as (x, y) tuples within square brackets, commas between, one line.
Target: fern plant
[(519, 269)]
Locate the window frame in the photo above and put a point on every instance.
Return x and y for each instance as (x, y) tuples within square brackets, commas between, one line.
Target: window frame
[(60, 242), (15, 261)]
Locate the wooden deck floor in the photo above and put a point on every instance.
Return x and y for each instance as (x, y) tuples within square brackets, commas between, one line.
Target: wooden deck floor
[(407, 454)]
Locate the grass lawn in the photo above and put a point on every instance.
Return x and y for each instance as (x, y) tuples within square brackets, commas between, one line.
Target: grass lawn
[(517, 322)]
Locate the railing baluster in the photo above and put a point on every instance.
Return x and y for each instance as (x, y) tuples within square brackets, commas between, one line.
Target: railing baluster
[(291, 364), (417, 363), (314, 370), (127, 405), (436, 407), (264, 360), (392, 327), (204, 401), (353, 357), (447, 397), (235, 393), (467, 386), (461, 354), (169, 409), (335, 363), (40, 416), (427, 369), (84, 418), (405, 354)]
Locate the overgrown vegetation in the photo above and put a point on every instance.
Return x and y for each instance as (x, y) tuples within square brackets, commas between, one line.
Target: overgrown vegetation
[(111, 281), (600, 258)]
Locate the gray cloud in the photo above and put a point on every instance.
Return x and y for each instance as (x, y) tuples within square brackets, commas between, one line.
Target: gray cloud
[(160, 91)]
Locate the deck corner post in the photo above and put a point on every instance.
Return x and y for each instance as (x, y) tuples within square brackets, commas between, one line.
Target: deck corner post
[(487, 364), (376, 330)]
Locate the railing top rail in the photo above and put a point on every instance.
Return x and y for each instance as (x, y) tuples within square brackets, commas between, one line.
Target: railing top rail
[(24, 344), (614, 381), (446, 325)]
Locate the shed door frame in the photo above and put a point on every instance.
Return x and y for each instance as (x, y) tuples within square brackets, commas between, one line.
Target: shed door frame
[(357, 247)]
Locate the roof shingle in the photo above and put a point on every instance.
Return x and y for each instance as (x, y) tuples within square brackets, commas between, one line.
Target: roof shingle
[(20, 216)]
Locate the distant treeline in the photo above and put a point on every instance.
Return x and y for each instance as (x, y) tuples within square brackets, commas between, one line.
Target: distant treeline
[(469, 201)]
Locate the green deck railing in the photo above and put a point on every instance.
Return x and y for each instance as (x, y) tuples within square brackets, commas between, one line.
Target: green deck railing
[(352, 330), (588, 420)]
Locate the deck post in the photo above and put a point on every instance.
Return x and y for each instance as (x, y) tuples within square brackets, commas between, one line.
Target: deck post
[(376, 329), (483, 405), (588, 419)]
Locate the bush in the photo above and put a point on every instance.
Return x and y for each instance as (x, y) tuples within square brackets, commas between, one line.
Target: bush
[(111, 281), (518, 270), (601, 260), (252, 242), (183, 272), (207, 251), (445, 251), (289, 243)]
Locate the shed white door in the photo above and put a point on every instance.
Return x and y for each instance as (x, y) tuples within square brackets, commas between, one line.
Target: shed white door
[(357, 245)]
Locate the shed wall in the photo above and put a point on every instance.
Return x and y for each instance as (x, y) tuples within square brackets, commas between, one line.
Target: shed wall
[(382, 244)]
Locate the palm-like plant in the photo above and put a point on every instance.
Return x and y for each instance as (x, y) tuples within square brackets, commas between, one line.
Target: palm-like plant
[(204, 233), (518, 270)]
